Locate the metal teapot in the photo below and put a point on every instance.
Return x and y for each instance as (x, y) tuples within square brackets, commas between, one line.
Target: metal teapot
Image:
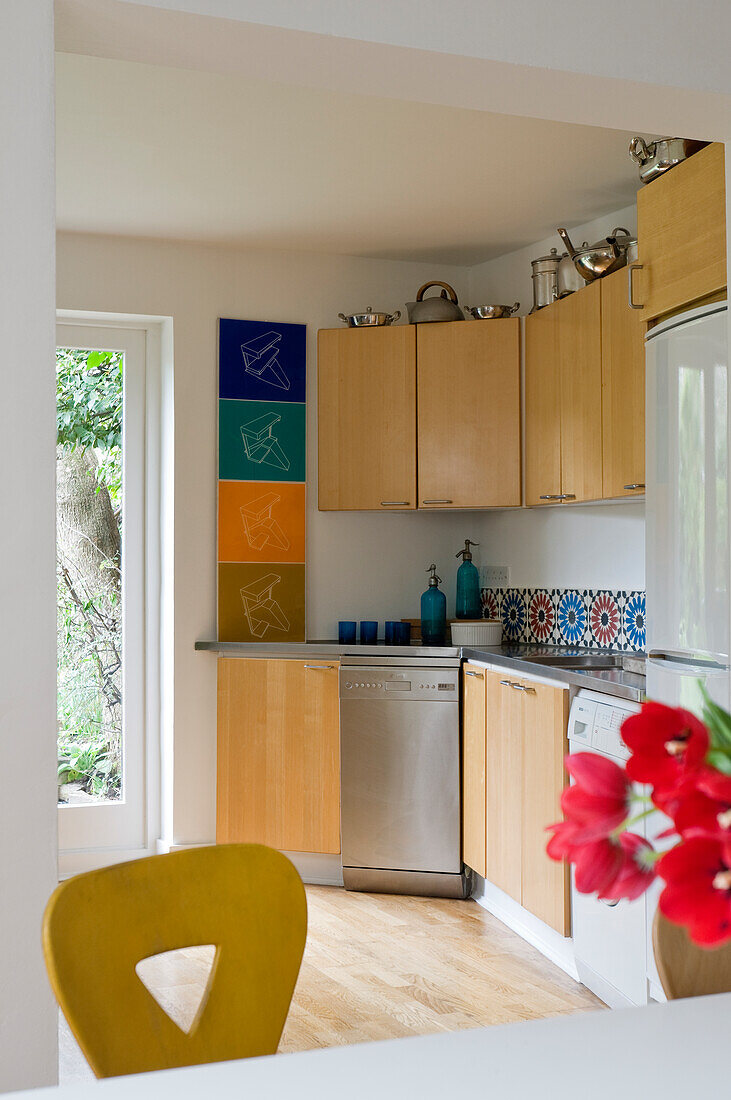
[(442, 308), (592, 261)]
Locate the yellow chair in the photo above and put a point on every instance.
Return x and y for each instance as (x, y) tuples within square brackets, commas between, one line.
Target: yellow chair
[(685, 969), (245, 899)]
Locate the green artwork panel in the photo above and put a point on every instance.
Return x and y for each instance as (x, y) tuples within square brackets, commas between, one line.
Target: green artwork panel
[(261, 441), (261, 603)]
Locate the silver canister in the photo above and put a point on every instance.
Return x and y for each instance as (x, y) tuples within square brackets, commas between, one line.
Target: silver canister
[(545, 279)]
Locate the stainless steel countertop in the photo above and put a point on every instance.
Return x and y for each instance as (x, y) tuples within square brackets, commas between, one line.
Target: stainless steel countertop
[(617, 682)]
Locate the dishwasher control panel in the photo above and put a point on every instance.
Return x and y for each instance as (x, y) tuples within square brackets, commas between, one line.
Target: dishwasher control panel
[(437, 685)]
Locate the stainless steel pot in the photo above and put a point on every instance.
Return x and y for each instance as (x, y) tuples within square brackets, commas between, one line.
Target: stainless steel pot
[(442, 308), (660, 156), (592, 261), (371, 317), (545, 279), (569, 279), (491, 313)]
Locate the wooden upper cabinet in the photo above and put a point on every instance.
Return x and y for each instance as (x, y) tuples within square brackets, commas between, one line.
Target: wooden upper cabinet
[(468, 386), (367, 418), (545, 889), (580, 356), (623, 391), (542, 407), (563, 400), (681, 231), (474, 734), (278, 754)]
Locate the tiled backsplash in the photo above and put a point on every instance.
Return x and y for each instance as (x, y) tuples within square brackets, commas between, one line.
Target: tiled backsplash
[(596, 618)]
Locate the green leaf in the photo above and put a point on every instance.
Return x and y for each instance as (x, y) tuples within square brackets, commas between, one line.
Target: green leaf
[(720, 761)]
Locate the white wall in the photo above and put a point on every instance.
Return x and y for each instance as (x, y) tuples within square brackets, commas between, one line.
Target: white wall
[(508, 278), (367, 565), (27, 536), (658, 41), (585, 546)]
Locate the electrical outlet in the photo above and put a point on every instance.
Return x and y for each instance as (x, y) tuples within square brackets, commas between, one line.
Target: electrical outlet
[(495, 576)]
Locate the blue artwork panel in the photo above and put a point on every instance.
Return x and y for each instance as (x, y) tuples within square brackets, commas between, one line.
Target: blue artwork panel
[(261, 361)]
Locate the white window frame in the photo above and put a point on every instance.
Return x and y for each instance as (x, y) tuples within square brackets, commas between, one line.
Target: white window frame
[(92, 836)]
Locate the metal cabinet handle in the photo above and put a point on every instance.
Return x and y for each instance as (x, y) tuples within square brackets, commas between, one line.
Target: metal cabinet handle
[(568, 496), (635, 485), (506, 683), (436, 502), (469, 672), (557, 496), (394, 504), (522, 687), (630, 297), (320, 666)]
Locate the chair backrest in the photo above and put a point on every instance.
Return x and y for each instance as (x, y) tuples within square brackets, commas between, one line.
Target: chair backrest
[(685, 969), (245, 899)]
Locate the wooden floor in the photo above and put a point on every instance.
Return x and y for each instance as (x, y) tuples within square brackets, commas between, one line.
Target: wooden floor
[(379, 967)]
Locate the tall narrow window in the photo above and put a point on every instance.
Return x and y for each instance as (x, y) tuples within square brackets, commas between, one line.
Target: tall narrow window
[(100, 556)]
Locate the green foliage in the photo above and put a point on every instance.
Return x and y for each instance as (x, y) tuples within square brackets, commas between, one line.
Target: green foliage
[(89, 406), (718, 722), (89, 622)]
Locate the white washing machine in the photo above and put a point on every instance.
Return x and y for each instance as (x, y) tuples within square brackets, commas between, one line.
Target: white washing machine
[(610, 938)]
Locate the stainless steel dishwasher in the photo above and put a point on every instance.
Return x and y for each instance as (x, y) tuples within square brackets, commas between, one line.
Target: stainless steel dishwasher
[(400, 775)]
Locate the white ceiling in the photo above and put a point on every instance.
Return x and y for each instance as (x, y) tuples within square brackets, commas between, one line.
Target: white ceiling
[(156, 151)]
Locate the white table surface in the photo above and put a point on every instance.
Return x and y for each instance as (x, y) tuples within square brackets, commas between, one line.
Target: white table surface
[(672, 1050)]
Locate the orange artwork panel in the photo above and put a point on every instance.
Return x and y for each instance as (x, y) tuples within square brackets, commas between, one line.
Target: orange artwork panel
[(261, 521)]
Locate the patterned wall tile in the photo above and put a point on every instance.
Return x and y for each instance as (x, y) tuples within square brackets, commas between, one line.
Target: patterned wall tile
[(513, 615), (542, 615), (590, 618), (634, 620), (573, 617)]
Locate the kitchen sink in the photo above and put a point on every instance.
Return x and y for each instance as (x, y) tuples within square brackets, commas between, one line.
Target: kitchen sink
[(591, 662)]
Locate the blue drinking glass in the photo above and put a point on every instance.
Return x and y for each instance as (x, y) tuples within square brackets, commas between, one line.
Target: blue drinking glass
[(346, 631), (368, 632), (392, 632), (403, 634)]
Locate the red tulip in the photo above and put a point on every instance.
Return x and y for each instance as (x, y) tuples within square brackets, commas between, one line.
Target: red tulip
[(698, 891), (598, 864), (637, 871), (705, 811), (668, 745), (597, 803)]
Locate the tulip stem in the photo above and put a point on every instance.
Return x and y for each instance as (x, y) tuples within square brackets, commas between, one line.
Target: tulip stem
[(633, 820)]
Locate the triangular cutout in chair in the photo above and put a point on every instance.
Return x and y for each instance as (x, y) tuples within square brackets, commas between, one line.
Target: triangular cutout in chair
[(180, 981)]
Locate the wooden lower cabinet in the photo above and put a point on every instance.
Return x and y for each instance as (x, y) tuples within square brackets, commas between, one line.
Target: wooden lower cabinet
[(526, 744), (504, 785), (278, 754), (545, 889), (474, 805)]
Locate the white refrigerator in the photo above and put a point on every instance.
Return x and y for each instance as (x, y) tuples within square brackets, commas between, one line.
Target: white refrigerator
[(687, 509), (687, 529)]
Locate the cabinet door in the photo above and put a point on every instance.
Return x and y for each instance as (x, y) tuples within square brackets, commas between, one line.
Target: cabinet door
[(544, 717), (542, 407), (474, 734), (578, 318), (623, 391), (279, 754), (681, 231), (504, 784), (366, 402), (468, 438)]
